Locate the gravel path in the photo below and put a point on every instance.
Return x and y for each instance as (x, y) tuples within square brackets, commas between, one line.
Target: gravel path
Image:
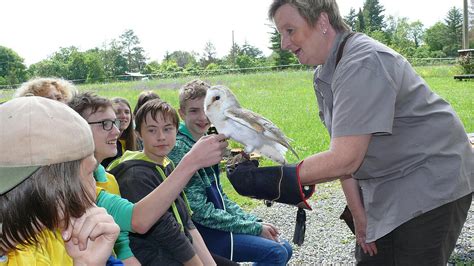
[(329, 241)]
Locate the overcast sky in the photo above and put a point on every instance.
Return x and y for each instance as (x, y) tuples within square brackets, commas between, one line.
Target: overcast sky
[(36, 29)]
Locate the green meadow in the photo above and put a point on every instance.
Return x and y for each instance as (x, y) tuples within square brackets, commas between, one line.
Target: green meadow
[(287, 98)]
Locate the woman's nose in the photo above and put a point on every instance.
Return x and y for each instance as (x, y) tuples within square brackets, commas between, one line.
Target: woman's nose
[(285, 43)]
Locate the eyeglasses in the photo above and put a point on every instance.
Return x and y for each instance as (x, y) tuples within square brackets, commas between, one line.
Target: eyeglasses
[(107, 124)]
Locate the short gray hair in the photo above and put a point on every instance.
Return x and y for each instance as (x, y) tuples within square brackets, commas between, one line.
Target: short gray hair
[(310, 10)]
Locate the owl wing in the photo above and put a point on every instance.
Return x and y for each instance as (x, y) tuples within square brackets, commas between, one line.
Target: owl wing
[(259, 124)]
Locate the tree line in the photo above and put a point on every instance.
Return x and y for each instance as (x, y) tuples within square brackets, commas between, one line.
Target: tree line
[(124, 54)]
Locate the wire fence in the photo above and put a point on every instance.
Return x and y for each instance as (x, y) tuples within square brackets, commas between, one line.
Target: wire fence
[(224, 70)]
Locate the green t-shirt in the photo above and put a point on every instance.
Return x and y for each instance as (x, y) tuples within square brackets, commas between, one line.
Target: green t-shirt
[(121, 210)]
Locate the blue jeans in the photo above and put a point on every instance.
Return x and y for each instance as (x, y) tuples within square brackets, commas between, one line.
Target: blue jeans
[(262, 251)]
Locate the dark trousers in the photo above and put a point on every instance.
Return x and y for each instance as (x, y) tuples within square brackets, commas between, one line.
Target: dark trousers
[(428, 239)]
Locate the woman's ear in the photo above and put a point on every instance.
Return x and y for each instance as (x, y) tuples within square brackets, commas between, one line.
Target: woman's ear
[(323, 22)]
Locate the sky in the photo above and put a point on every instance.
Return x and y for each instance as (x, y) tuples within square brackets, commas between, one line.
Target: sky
[(37, 29)]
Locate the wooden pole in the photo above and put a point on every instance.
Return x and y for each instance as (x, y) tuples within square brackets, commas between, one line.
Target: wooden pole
[(465, 28)]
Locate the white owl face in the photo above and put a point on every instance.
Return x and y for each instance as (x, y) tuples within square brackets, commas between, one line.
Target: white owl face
[(219, 98)]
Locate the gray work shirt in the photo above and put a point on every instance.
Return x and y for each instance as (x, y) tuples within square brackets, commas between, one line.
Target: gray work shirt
[(419, 156)]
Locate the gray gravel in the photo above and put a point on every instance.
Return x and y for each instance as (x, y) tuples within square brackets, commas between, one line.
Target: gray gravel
[(329, 241)]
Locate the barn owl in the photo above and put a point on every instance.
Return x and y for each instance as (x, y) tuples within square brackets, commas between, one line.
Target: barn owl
[(254, 131)]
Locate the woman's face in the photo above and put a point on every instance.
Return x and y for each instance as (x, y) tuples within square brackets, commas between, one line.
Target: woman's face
[(307, 43), (123, 114), (88, 165), (105, 141), (54, 94)]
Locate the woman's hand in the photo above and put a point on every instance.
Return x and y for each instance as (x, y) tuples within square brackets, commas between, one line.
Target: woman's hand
[(89, 239), (351, 190), (360, 225)]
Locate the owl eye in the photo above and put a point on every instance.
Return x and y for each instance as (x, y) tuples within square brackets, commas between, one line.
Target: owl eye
[(218, 98)]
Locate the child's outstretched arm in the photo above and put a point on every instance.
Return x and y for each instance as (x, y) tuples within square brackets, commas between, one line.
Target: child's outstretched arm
[(207, 151)]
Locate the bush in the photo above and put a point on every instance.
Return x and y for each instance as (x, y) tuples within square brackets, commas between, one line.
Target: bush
[(467, 63)]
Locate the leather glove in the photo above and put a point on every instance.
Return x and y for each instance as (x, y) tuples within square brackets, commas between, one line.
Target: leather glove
[(275, 183)]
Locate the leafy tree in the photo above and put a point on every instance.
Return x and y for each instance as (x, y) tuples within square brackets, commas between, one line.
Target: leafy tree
[(251, 51), (152, 67), (280, 57), (134, 54), (379, 36), (351, 19), (233, 53), (435, 37), (47, 68), (453, 22), (400, 34), (360, 25), (212, 67), (245, 61), (182, 58), (77, 67), (415, 33), (12, 68), (169, 68), (62, 62), (112, 59), (374, 20), (95, 66), (209, 55)]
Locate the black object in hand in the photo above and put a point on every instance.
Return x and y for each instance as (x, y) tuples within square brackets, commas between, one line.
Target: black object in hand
[(300, 227)]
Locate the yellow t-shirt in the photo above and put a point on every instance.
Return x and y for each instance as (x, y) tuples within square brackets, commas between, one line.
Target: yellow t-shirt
[(110, 185), (48, 251)]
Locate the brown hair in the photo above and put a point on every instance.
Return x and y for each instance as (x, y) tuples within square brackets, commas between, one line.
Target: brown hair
[(41, 87), (86, 101), (310, 10), (154, 107), (128, 135), (194, 89), (49, 198), (144, 97)]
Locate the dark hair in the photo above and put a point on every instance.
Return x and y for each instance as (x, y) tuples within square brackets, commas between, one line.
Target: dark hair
[(49, 198), (154, 107), (83, 102), (144, 97), (128, 135), (310, 10)]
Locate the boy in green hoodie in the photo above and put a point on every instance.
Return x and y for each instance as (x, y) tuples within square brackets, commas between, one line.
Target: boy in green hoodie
[(227, 230)]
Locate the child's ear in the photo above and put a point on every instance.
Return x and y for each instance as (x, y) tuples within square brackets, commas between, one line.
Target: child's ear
[(182, 112), (139, 135)]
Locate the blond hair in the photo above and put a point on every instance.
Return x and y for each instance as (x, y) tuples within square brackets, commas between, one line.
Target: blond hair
[(194, 89), (42, 86)]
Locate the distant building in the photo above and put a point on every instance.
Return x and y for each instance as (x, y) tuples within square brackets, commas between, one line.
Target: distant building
[(135, 76)]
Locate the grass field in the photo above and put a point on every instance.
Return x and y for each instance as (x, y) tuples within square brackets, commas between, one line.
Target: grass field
[(287, 98)]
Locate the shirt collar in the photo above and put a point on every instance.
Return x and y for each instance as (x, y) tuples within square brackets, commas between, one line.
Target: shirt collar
[(326, 71), (185, 131)]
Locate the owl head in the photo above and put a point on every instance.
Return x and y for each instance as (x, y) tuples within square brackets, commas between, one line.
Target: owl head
[(219, 98)]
